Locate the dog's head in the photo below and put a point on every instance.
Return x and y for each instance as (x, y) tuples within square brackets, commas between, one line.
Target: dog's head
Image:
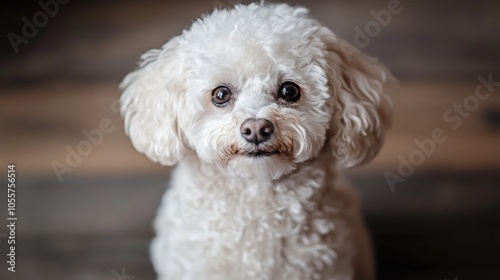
[(257, 89)]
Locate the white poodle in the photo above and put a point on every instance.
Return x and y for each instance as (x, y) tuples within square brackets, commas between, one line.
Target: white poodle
[(258, 106)]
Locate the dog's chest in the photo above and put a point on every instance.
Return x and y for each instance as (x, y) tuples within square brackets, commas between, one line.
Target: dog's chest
[(251, 230)]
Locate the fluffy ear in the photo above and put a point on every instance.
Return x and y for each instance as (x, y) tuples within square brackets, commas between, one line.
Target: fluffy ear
[(361, 108), (150, 102)]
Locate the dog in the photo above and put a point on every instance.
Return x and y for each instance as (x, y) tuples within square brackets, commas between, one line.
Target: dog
[(258, 106)]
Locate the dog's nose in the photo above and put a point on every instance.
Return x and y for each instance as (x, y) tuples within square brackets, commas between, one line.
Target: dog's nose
[(256, 130)]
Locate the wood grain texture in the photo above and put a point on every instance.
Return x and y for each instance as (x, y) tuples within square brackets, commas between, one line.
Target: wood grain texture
[(40, 123)]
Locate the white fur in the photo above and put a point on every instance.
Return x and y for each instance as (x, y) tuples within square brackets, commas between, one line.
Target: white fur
[(228, 216)]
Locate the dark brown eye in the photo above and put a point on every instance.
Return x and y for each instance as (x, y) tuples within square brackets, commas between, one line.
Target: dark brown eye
[(220, 96), (289, 91)]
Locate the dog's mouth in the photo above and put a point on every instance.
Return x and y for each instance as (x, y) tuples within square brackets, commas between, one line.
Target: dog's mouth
[(258, 154)]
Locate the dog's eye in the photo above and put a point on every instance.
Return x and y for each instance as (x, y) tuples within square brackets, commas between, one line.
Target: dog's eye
[(289, 91), (221, 95)]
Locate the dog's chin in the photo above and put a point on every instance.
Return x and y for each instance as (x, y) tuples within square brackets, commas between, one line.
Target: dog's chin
[(260, 165)]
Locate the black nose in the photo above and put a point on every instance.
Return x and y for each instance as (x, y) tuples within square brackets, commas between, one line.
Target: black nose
[(256, 131)]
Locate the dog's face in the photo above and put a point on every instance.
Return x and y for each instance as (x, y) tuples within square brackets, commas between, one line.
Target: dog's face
[(257, 90)]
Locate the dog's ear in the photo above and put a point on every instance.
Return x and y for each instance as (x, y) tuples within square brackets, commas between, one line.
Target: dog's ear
[(152, 96), (361, 109)]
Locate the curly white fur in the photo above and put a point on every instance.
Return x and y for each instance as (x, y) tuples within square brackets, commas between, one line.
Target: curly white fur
[(229, 216)]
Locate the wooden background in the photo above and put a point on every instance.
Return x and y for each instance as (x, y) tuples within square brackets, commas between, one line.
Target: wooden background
[(440, 223)]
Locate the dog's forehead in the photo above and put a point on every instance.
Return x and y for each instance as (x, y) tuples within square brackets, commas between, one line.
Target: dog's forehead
[(251, 41), (259, 33)]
